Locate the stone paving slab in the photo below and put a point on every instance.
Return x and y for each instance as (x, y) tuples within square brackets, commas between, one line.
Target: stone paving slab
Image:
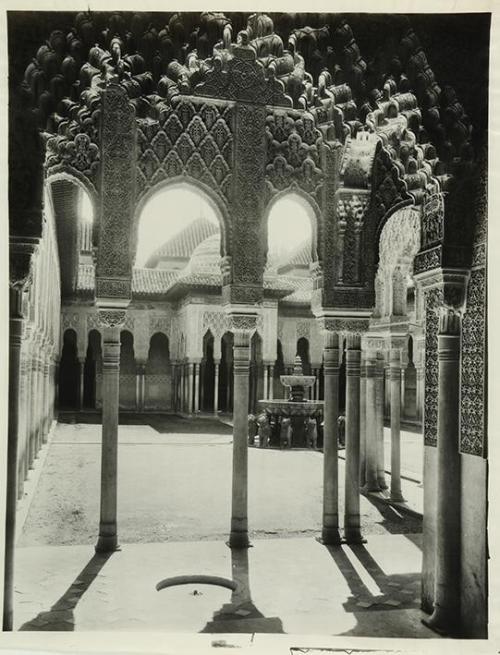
[(294, 586), (179, 488)]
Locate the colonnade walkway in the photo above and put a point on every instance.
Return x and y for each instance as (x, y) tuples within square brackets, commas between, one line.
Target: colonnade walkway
[(174, 486)]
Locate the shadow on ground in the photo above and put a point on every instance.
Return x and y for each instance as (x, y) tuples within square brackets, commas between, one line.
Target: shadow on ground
[(61, 615), (240, 614), (394, 521), (397, 592)]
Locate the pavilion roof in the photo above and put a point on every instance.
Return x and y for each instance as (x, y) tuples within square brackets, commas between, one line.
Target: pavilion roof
[(182, 244)]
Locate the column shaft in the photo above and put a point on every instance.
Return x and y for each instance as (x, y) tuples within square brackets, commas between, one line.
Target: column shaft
[(216, 388), (190, 368), (239, 510), (446, 615), (379, 422), (271, 382), (330, 532), (395, 382), (15, 340), (371, 432), (81, 385), (352, 526), (197, 387), (362, 422), (108, 539), (265, 395)]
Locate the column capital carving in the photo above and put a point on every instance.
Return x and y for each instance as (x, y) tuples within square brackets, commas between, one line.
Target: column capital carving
[(451, 281), (111, 318), (241, 321), (449, 322), (343, 325)]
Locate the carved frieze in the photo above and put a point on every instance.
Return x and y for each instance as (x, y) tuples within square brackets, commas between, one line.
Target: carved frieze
[(159, 324), (248, 251), (240, 77), (73, 153), (110, 318), (293, 158), (473, 368), (433, 304), (191, 137), (351, 208), (433, 220), (117, 185)]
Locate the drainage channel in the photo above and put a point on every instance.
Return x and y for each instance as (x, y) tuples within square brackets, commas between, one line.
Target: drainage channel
[(196, 579)]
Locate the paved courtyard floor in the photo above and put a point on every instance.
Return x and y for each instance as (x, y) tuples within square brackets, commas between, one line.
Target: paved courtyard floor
[(174, 512)]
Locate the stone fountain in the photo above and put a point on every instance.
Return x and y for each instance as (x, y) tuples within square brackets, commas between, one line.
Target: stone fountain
[(295, 419)]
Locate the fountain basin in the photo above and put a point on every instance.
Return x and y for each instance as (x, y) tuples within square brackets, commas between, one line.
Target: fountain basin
[(297, 380), (287, 408)]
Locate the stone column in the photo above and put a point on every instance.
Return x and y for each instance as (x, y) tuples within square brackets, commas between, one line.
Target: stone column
[(266, 382), (183, 387), (216, 387), (47, 422), (379, 420), (395, 381), (387, 392), (371, 481), (22, 447), (330, 531), (228, 387), (239, 507), (420, 394), (446, 616), (196, 369), (362, 421), (352, 527), (108, 538), (403, 371), (271, 382), (140, 386), (15, 341), (32, 412), (190, 371), (81, 384)]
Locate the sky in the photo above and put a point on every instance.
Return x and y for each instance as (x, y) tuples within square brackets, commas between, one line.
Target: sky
[(172, 209)]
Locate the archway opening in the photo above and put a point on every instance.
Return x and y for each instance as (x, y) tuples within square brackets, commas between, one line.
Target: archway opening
[(293, 215), (69, 372), (226, 380), (208, 373), (158, 387), (92, 368), (256, 381), (128, 374), (74, 218), (168, 213)]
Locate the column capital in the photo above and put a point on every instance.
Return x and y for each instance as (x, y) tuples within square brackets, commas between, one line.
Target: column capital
[(353, 341), (111, 318), (449, 321), (452, 282), (343, 324)]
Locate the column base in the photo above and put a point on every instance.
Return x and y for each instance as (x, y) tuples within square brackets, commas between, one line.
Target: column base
[(372, 487), (353, 536), (383, 484), (442, 622), (238, 540), (330, 537), (397, 497), (106, 544)]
